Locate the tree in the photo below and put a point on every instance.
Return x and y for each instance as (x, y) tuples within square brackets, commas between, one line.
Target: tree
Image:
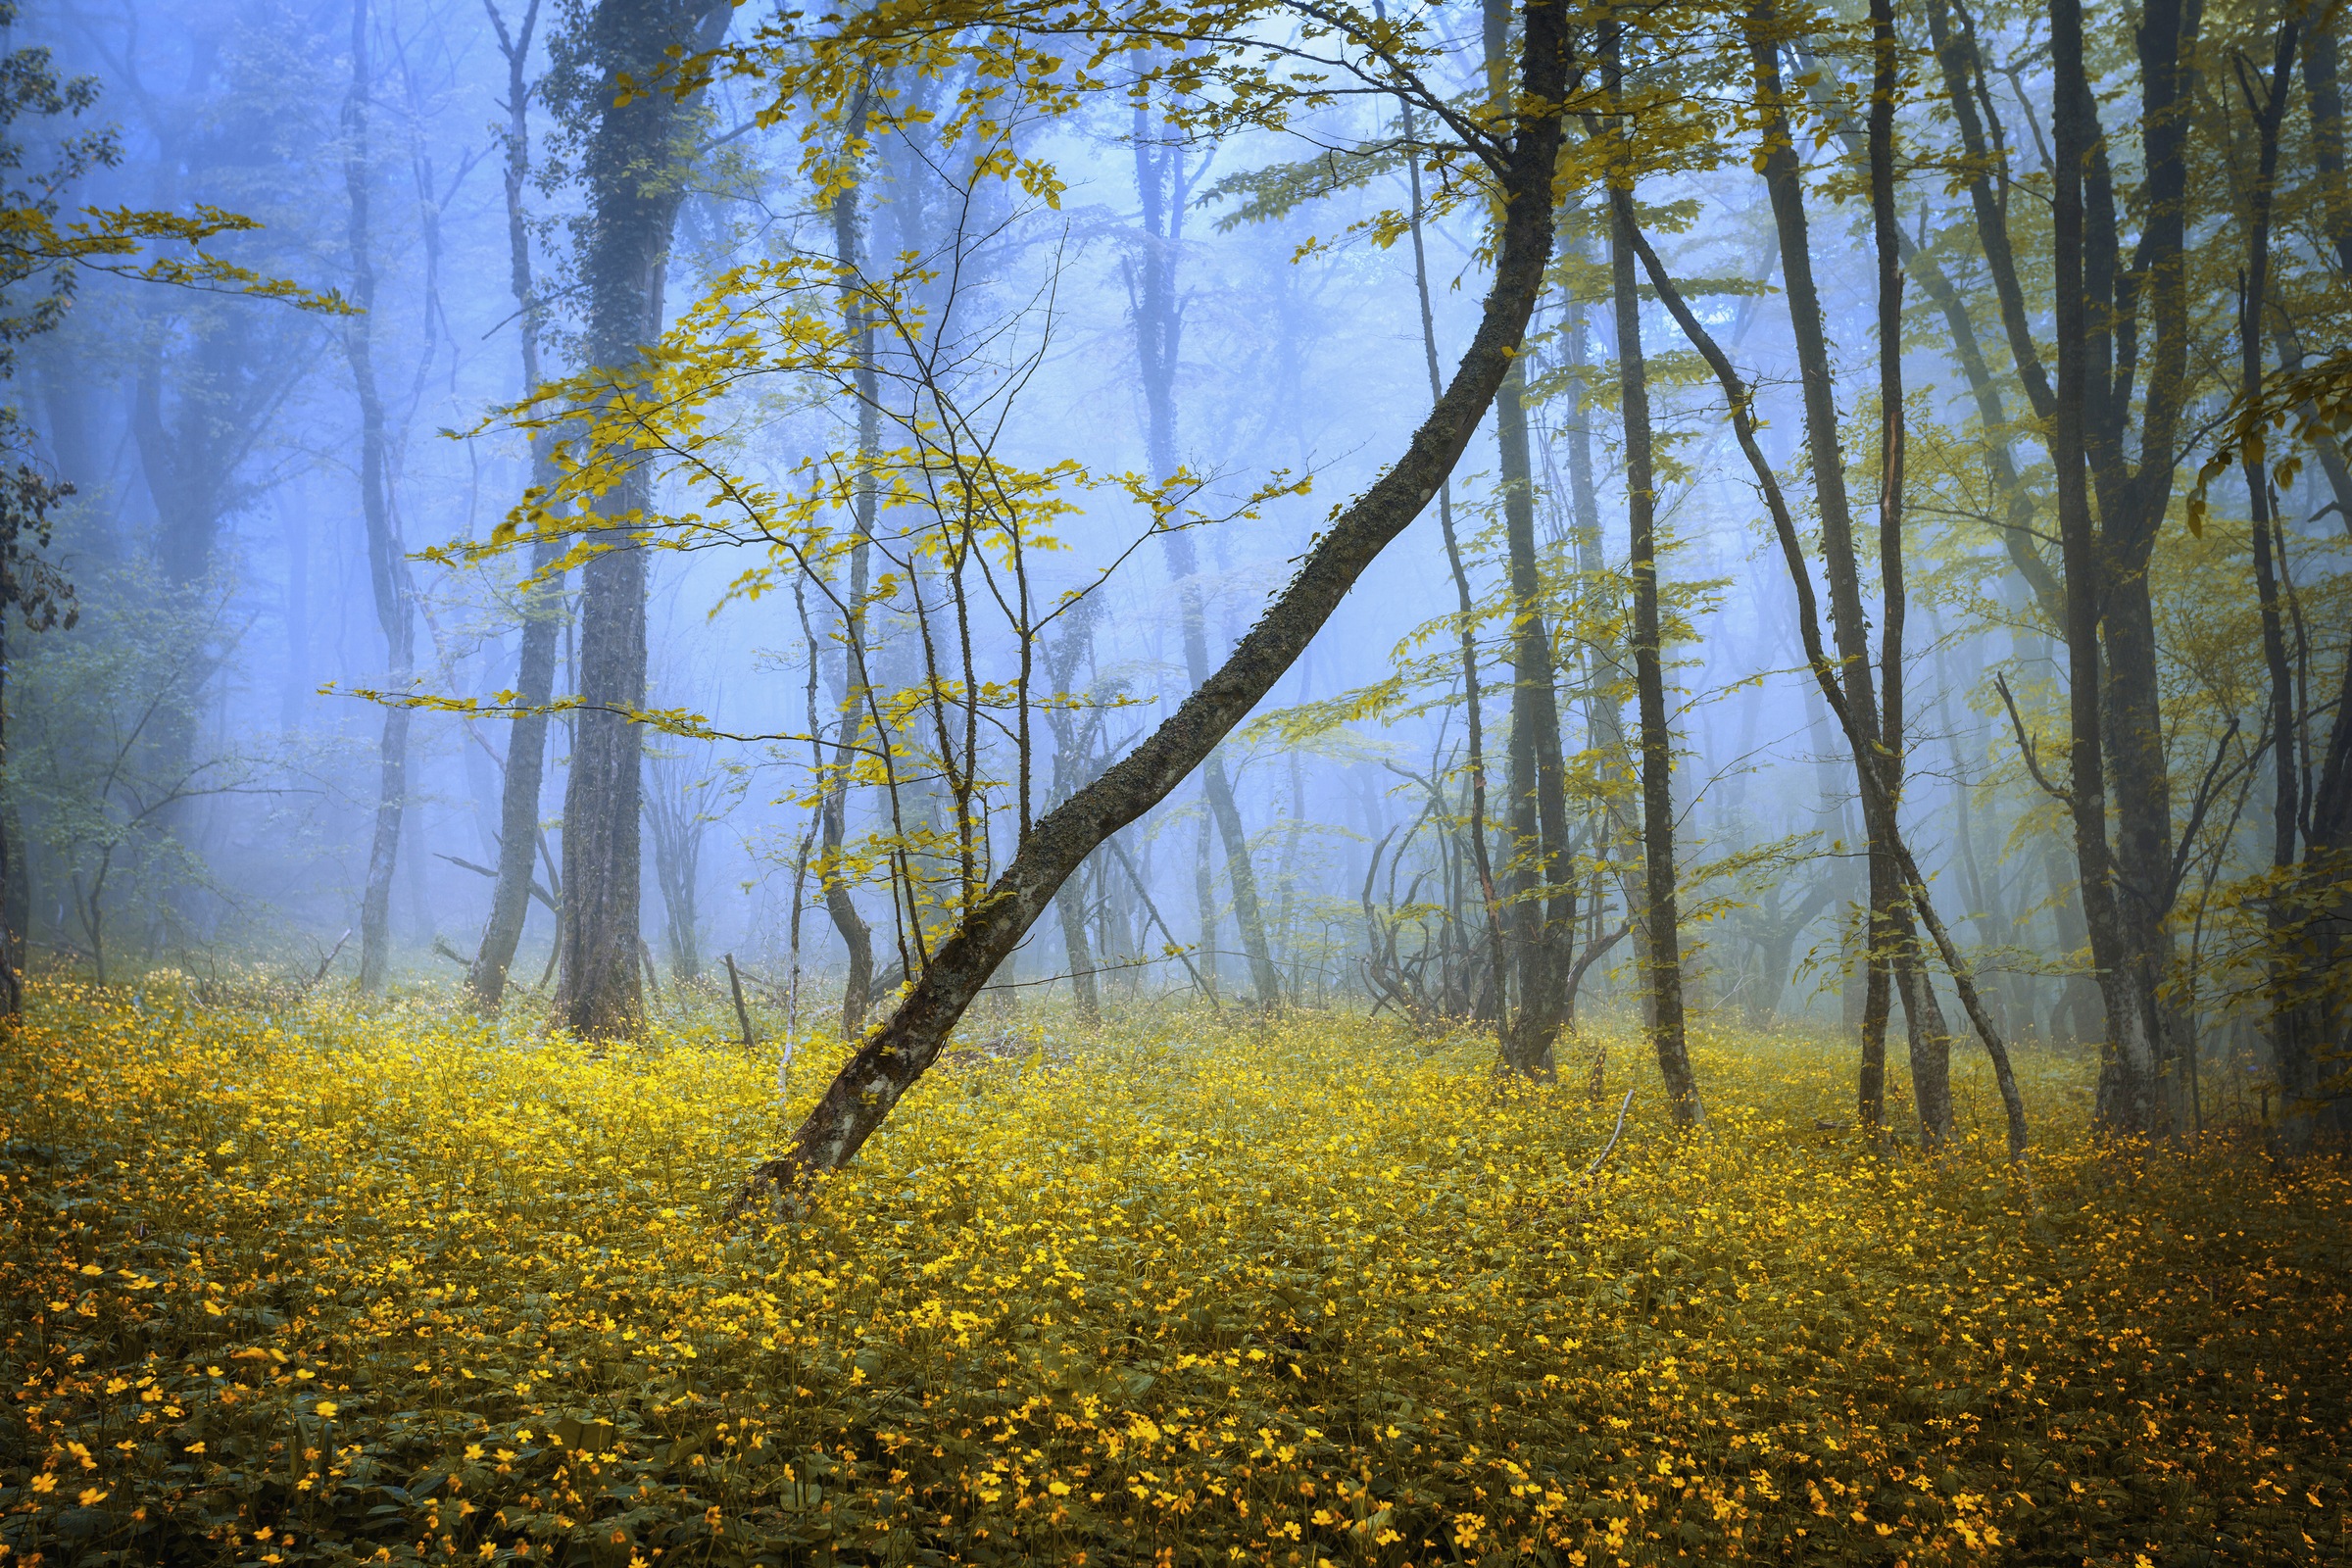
[(1663, 951), (637, 121), (542, 587), (1520, 154), (387, 561), (41, 260), (1164, 189), (1893, 945), (1543, 894)]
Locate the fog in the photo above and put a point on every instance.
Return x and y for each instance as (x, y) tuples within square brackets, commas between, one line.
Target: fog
[(1155, 359)]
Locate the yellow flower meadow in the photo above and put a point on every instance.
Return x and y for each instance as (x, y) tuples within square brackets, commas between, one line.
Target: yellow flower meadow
[(293, 1283)]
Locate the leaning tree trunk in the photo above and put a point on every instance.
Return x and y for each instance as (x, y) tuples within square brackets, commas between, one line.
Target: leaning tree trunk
[(543, 598), (1665, 951), (623, 268), (889, 1061), (387, 569)]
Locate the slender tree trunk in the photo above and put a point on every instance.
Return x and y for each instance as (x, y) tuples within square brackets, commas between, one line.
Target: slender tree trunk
[(543, 601), (623, 268), (1472, 700), (1847, 619), (388, 567), (1618, 837), (1665, 971), (2290, 1010), (1739, 403), (1929, 1038), (857, 936), (1542, 919), (1071, 771), (16, 890), (2330, 833), (1158, 328), (887, 1064), (1543, 912)]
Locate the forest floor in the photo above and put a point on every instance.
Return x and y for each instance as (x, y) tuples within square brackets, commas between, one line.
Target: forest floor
[(293, 1283)]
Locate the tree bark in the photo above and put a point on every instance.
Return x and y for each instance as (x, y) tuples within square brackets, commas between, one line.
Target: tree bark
[(888, 1063), (633, 202), (2128, 1099), (1665, 967)]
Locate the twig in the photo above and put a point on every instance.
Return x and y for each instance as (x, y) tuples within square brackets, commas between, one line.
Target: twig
[(1623, 1106), (743, 1015), (328, 961), (2025, 745), (537, 892), (2208, 791)]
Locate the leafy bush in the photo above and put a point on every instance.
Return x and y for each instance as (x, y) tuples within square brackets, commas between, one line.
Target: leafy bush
[(319, 1285)]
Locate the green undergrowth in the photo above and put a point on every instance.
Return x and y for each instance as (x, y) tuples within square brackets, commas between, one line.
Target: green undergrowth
[(306, 1284)]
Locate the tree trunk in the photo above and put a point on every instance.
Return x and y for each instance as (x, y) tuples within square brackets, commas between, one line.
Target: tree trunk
[(1070, 771), (1849, 621), (887, 1064), (388, 567), (1473, 700), (2291, 1009), (16, 891), (1543, 912), (2128, 1099), (857, 936), (1858, 738), (543, 601), (1927, 1036), (1617, 839), (621, 269), (1665, 970), (1158, 329)]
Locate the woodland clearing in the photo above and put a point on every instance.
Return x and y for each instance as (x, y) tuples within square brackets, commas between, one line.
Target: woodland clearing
[(293, 1283)]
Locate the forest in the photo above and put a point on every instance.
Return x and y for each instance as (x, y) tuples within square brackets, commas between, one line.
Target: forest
[(1175, 782)]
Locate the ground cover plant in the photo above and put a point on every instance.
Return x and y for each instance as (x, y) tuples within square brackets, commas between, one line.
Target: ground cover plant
[(298, 1283)]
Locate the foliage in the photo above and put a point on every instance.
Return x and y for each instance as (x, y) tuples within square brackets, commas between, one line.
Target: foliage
[(290, 1283), (108, 764)]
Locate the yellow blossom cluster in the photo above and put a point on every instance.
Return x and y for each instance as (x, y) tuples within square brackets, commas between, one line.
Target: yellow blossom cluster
[(296, 1282)]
